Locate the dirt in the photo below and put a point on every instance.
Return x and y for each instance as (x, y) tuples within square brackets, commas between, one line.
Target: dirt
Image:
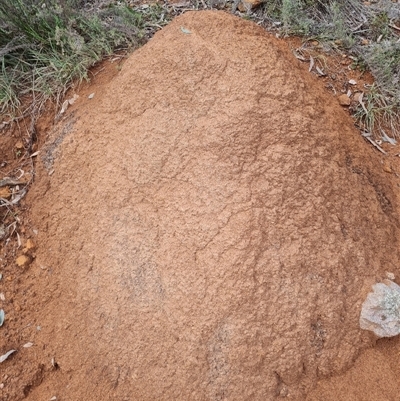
[(206, 227)]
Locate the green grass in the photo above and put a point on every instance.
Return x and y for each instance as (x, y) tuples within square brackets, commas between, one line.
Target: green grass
[(46, 46), (44, 49), (378, 113), (348, 25)]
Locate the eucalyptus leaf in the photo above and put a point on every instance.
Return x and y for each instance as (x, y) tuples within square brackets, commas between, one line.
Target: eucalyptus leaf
[(184, 30), (6, 355)]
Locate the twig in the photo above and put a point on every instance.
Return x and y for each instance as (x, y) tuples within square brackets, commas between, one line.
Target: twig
[(394, 26), (9, 181), (373, 143)]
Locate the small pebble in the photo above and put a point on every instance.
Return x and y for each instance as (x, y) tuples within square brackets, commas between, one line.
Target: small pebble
[(344, 100), (23, 261), (390, 275)]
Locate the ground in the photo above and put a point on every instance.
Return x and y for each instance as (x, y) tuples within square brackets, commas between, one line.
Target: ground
[(89, 182)]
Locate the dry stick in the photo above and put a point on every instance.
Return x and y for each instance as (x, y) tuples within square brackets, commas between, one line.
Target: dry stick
[(10, 181), (374, 144)]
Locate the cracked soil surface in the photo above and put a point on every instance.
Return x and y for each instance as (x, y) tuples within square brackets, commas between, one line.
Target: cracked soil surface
[(209, 225)]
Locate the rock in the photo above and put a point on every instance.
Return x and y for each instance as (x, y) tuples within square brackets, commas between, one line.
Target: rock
[(246, 5), (381, 310), (23, 261), (387, 168), (390, 275), (344, 100), (29, 246)]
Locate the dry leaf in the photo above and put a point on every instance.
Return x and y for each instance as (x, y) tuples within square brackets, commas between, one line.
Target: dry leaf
[(18, 197), (320, 72), (360, 100), (311, 64), (64, 107), (298, 55), (386, 138), (6, 355), (2, 317), (352, 82), (73, 99), (184, 30)]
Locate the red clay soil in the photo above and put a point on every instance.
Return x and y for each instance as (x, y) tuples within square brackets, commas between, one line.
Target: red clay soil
[(209, 225)]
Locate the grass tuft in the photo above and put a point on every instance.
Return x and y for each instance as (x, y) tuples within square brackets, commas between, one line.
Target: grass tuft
[(47, 45), (350, 25)]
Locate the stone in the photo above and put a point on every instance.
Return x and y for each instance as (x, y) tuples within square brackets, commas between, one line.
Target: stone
[(390, 276), (23, 261), (344, 100), (30, 245), (246, 5), (387, 168), (381, 310)]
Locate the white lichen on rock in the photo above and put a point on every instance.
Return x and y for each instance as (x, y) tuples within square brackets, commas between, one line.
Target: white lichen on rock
[(380, 312)]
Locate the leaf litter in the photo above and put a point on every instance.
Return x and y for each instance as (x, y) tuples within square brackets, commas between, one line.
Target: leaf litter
[(6, 355)]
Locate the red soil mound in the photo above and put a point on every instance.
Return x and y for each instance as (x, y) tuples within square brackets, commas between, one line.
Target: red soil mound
[(211, 229)]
